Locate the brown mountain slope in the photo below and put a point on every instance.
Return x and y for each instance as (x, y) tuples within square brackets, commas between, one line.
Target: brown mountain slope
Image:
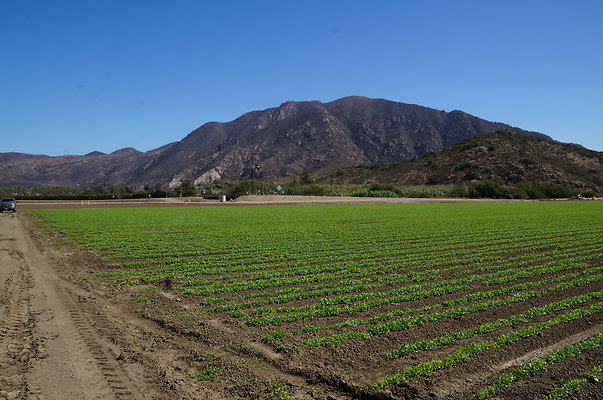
[(288, 140), (505, 157), (17, 169), (297, 137)]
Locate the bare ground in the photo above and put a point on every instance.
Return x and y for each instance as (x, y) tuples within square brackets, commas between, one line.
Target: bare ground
[(51, 347), (249, 200)]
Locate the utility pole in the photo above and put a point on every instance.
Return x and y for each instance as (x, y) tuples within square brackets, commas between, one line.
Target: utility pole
[(252, 175), (257, 167)]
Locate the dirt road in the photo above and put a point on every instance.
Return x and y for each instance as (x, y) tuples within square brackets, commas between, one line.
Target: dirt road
[(50, 344), (248, 200)]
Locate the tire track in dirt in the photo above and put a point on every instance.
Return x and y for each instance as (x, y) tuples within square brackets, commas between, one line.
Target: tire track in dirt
[(15, 350), (48, 347), (113, 374), (16, 339)]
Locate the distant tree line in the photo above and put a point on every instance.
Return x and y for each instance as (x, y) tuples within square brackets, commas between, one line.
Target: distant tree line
[(478, 189), (523, 190), (186, 188)]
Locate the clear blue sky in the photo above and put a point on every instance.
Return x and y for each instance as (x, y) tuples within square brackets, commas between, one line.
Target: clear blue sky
[(84, 75)]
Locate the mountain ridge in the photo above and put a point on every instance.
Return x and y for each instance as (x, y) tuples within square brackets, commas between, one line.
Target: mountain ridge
[(294, 138)]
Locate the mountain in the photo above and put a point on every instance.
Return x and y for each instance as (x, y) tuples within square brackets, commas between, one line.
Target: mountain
[(294, 138), (503, 156), (96, 168), (95, 153)]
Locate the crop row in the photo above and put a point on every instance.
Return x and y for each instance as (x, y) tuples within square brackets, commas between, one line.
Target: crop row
[(567, 387), (453, 337), (534, 367), (463, 353), (451, 302), (188, 268), (327, 309), (453, 312)]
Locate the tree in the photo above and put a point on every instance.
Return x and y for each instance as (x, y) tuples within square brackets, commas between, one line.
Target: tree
[(187, 188), (485, 188)]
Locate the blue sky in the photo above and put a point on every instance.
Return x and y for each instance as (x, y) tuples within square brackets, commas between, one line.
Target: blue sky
[(83, 75)]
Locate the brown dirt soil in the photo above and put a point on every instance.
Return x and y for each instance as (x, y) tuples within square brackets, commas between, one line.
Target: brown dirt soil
[(66, 335), (53, 338), (251, 200)]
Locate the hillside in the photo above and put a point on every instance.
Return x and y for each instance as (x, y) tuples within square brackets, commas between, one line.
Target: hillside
[(505, 157), (288, 140), (297, 137)]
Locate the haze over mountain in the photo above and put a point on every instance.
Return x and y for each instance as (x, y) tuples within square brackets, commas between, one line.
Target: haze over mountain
[(288, 140)]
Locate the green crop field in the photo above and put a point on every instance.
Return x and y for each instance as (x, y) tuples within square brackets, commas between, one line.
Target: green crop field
[(400, 300)]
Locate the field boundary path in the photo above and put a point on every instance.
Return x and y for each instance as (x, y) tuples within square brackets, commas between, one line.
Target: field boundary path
[(49, 345), (247, 200)]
